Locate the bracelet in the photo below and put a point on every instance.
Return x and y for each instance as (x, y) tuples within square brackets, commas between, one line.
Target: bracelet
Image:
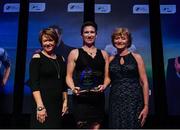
[(146, 104), (40, 108)]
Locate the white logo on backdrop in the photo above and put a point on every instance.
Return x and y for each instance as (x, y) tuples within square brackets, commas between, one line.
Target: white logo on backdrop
[(102, 8), (79, 7), (168, 9), (144, 9), (15, 7), (75, 7), (140, 9), (11, 7), (37, 7)]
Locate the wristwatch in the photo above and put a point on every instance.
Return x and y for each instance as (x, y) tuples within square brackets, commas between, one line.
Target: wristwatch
[(40, 108)]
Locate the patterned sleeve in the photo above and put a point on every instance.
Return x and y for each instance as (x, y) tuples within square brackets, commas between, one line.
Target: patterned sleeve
[(34, 74), (4, 58)]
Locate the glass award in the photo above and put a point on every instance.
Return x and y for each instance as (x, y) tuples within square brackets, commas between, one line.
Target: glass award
[(88, 81)]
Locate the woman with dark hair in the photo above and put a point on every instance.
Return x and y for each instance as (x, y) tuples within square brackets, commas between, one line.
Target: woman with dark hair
[(89, 66), (129, 92), (47, 82)]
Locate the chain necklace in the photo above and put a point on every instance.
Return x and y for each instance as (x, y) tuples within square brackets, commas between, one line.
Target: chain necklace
[(57, 66), (55, 63), (91, 52)]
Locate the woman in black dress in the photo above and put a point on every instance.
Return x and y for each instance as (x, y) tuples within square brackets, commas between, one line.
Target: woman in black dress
[(47, 81), (89, 66), (129, 95)]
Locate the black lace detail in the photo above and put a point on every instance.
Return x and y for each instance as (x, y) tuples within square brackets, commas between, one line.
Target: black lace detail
[(126, 98)]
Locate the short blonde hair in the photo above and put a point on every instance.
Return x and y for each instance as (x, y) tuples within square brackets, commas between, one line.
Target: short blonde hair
[(122, 32)]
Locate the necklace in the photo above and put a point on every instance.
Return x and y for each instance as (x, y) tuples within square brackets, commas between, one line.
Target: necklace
[(57, 66), (91, 52)]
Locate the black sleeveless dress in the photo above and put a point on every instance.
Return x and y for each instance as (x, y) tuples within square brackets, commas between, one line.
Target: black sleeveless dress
[(89, 73), (126, 96), (44, 77)]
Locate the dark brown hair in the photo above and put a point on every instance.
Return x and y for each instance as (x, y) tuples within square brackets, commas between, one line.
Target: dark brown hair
[(50, 33), (89, 23)]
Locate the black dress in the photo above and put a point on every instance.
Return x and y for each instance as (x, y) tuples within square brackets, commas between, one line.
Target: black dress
[(48, 76), (89, 73), (126, 96)]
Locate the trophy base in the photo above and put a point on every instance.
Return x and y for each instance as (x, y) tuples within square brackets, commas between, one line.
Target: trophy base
[(95, 89)]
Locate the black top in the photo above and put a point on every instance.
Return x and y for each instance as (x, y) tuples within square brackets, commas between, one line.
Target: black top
[(89, 72), (44, 73)]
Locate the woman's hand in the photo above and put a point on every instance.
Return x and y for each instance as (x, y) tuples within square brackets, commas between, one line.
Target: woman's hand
[(143, 115), (101, 88), (41, 115), (76, 90), (64, 108)]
